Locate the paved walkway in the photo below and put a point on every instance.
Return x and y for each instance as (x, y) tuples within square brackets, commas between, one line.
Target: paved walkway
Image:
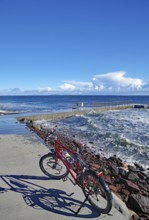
[(25, 193)]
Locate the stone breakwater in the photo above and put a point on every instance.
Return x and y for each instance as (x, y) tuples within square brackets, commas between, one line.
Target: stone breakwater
[(129, 183)]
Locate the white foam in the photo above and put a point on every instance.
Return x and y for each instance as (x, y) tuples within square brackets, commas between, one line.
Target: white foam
[(123, 132)]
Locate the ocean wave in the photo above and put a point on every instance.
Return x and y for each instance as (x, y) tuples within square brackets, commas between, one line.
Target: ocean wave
[(124, 133)]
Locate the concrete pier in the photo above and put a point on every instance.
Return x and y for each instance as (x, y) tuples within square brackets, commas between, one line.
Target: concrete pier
[(71, 113)]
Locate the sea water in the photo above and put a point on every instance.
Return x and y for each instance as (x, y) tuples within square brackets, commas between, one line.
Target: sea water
[(120, 132)]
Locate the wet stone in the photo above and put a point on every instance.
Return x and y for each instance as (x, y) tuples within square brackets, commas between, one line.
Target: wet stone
[(132, 176), (123, 172), (133, 169), (124, 193), (146, 174), (135, 217), (139, 167), (120, 187), (142, 176), (114, 169), (118, 161), (113, 188)]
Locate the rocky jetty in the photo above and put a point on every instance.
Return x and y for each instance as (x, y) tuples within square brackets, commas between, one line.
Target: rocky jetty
[(129, 183)]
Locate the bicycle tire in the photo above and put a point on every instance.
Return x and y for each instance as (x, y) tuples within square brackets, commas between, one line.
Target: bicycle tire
[(96, 191), (49, 168)]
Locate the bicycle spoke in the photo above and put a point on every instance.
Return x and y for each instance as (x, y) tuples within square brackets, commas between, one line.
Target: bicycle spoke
[(94, 188), (51, 167)]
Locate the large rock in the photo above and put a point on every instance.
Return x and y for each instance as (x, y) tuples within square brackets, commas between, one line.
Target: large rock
[(133, 176), (123, 172), (129, 185), (138, 203)]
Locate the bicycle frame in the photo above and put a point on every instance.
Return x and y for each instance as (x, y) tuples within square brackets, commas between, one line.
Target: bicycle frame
[(80, 165), (81, 173)]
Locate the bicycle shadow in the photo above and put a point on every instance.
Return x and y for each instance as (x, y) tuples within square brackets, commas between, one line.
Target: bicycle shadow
[(38, 197)]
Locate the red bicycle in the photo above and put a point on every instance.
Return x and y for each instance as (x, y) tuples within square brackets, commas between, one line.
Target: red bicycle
[(62, 161)]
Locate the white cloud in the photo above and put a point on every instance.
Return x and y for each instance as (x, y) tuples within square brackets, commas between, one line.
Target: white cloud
[(68, 87), (80, 84), (99, 87), (117, 81), (72, 85), (108, 82), (49, 89), (112, 83)]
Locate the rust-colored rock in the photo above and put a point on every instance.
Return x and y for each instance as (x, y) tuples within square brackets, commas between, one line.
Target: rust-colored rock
[(129, 185)]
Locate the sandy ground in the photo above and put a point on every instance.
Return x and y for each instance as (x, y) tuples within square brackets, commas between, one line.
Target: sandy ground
[(26, 193)]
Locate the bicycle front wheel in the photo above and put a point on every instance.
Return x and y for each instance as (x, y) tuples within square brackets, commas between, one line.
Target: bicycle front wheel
[(96, 191), (51, 167)]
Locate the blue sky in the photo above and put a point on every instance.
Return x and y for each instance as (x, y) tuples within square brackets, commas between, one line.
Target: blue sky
[(74, 47)]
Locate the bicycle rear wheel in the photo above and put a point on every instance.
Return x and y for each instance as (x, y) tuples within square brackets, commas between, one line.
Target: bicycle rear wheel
[(97, 191), (51, 168)]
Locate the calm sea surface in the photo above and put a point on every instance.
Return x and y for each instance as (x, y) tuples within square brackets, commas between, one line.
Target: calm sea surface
[(125, 133)]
